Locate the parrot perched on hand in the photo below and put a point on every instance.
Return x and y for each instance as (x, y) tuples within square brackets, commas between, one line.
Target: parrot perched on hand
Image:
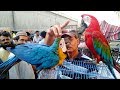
[(96, 41), (42, 56)]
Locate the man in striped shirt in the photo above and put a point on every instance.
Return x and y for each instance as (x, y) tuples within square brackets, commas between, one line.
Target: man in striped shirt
[(76, 65)]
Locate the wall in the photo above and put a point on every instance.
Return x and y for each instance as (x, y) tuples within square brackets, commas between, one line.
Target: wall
[(31, 20)]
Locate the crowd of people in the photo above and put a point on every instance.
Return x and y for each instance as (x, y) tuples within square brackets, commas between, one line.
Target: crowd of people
[(75, 66)]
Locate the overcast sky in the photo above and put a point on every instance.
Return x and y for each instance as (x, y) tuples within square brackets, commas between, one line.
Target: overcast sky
[(109, 16)]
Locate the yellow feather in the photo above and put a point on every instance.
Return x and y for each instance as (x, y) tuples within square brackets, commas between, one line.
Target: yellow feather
[(62, 56)]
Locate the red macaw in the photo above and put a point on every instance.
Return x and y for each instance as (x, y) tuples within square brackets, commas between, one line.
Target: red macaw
[(96, 41)]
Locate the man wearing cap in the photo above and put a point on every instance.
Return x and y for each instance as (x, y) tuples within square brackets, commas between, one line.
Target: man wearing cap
[(21, 37), (76, 65), (21, 70)]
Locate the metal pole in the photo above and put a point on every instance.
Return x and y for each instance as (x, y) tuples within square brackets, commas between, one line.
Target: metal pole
[(13, 20)]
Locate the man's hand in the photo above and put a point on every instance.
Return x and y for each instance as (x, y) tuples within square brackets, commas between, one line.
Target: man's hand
[(55, 31)]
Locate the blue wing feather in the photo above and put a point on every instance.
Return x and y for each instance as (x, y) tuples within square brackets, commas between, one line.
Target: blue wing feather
[(43, 56), (31, 53)]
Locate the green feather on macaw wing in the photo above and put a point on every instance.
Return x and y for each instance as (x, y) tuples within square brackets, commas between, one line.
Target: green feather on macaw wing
[(97, 42), (102, 48)]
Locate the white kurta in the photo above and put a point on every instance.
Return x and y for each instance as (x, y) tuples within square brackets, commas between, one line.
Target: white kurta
[(21, 70)]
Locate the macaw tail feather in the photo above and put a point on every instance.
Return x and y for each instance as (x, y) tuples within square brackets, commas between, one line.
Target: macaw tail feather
[(5, 66), (112, 72)]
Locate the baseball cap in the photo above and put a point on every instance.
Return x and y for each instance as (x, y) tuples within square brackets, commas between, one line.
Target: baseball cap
[(21, 33), (71, 33)]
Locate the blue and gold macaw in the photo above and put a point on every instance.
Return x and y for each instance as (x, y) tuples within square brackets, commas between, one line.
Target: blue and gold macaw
[(42, 56)]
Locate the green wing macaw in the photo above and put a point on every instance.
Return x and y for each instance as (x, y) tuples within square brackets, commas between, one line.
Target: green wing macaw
[(96, 42)]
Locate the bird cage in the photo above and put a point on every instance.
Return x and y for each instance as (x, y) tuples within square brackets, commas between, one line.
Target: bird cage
[(77, 70), (84, 70)]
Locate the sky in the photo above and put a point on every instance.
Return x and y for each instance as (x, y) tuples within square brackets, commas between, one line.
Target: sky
[(109, 16)]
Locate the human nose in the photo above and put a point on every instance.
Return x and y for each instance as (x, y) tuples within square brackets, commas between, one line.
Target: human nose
[(24, 42)]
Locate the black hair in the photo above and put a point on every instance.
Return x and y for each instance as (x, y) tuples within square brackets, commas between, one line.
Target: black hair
[(28, 34), (36, 31), (43, 34), (16, 38), (5, 33)]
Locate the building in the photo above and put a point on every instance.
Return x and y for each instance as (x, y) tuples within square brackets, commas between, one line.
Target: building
[(32, 20)]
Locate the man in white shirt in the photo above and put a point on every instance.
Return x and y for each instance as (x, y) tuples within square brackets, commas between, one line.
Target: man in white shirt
[(20, 70), (42, 34), (37, 37)]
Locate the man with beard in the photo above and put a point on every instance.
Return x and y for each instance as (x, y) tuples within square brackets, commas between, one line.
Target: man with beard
[(5, 40), (21, 69)]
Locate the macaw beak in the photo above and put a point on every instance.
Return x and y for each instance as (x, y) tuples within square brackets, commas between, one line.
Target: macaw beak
[(82, 27)]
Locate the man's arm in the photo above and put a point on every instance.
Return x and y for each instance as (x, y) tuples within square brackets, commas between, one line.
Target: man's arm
[(55, 31)]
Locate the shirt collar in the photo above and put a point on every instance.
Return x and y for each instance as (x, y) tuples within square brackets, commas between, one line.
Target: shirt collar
[(78, 56)]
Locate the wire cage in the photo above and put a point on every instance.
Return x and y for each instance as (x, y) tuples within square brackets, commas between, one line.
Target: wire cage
[(77, 70), (84, 70)]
